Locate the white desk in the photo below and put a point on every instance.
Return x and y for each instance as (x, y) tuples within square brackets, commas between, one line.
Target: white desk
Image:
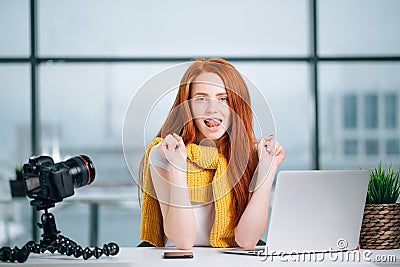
[(202, 257)]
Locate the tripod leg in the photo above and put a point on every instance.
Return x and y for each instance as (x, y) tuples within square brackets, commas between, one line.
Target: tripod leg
[(19, 254), (68, 247), (52, 241)]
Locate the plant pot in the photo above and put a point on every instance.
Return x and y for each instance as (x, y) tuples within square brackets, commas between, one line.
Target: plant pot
[(380, 227)]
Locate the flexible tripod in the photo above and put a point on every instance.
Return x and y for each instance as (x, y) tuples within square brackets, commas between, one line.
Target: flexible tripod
[(52, 241)]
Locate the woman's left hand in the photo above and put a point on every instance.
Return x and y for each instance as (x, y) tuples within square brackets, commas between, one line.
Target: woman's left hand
[(270, 150)]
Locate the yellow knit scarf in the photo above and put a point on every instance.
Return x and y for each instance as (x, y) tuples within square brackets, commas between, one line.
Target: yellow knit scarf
[(205, 167)]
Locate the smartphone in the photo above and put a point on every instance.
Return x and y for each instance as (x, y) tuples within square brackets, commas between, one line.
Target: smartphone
[(178, 255)]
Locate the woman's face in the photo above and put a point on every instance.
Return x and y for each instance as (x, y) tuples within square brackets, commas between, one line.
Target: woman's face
[(209, 105)]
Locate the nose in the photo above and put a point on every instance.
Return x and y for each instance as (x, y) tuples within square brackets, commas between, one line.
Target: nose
[(211, 106)]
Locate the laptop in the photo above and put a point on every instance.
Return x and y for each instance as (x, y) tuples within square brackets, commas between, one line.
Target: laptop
[(315, 211)]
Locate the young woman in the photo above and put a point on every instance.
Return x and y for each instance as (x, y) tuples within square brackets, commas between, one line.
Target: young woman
[(206, 180)]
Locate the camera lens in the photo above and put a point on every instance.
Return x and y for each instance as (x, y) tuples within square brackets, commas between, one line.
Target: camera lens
[(81, 169)]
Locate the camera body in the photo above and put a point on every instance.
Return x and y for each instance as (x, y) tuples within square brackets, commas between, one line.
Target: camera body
[(50, 182)]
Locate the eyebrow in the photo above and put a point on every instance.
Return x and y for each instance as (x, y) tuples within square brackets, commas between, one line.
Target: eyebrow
[(205, 94)]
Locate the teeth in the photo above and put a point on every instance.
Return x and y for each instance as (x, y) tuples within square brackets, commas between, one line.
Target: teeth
[(216, 120)]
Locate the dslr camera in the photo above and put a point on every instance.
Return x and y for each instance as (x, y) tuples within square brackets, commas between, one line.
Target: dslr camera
[(48, 183)]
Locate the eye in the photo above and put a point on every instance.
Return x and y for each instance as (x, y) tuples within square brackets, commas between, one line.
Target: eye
[(200, 99), (223, 99)]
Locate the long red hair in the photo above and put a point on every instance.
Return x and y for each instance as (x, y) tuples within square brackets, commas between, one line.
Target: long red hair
[(239, 138)]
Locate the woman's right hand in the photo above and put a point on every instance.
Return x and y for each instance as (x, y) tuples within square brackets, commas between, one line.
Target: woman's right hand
[(174, 150)]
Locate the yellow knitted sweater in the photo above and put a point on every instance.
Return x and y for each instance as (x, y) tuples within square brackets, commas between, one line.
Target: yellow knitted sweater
[(206, 177)]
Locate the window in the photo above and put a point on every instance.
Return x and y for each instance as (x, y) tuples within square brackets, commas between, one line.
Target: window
[(391, 111), (350, 147), (371, 111), (288, 99), (350, 111), (358, 101), (173, 28), (358, 27), (14, 28), (86, 113), (15, 141), (371, 147), (393, 147)]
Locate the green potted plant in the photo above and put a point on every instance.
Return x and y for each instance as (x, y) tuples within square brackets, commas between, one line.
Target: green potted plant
[(381, 222)]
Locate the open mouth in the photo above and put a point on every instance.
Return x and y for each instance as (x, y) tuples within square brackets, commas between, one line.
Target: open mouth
[(212, 122)]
